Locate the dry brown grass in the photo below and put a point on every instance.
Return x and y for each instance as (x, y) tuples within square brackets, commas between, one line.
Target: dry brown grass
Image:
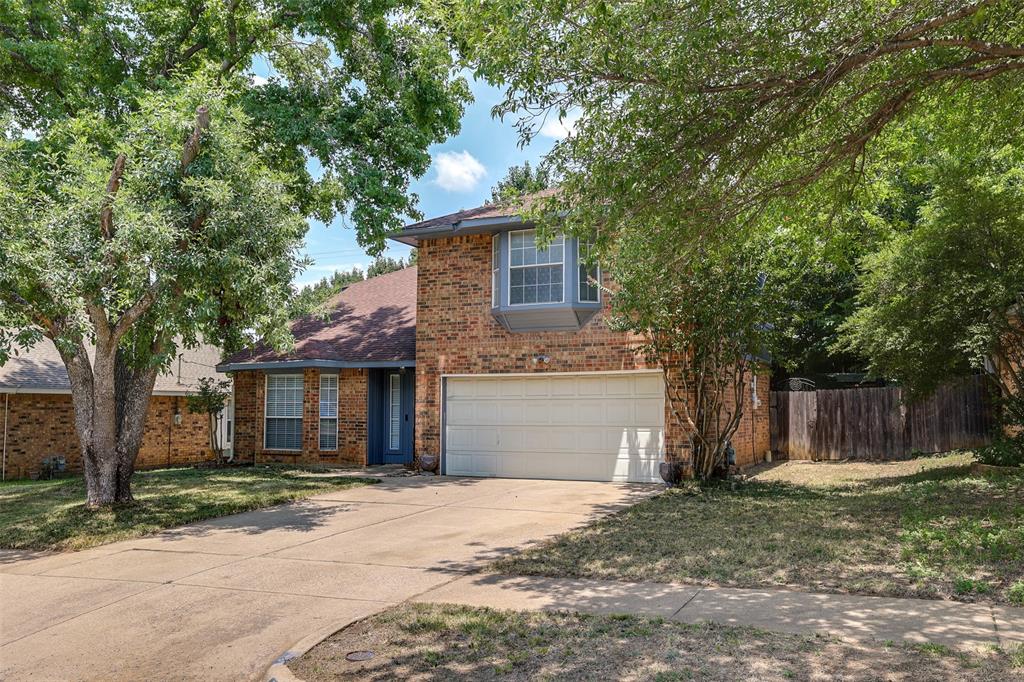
[(441, 642), (921, 528)]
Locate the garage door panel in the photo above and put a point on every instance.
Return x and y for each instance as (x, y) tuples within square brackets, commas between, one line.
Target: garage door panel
[(537, 387), (464, 413), (620, 385), (485, 412), (619, 412), (510, 389), (590, 386), (603, 427), (649, 412), (563, 386), (650, 385), (536, 412)]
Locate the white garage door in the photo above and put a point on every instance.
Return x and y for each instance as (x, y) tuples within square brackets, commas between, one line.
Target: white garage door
[(595, 427)]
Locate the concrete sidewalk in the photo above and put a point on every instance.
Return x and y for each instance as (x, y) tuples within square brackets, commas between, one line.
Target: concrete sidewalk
[(846, 616)]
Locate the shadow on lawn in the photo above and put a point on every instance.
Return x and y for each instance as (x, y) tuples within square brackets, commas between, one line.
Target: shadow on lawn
[(458, 643)]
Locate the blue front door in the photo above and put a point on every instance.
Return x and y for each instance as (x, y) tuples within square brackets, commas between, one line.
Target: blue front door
[(391, 400)]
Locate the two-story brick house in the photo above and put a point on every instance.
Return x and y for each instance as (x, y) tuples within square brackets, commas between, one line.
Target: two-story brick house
[(507, 367)]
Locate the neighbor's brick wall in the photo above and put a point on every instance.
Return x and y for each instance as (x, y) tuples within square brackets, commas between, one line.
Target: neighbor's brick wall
[(43, 425), (250, 390), (455, 334)]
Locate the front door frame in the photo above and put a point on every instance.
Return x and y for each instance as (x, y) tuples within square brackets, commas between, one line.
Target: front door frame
[(380, 431)]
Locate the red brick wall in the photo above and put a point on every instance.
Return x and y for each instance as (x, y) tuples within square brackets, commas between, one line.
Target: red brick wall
[(250, 390), (42, 425), (455, 334)]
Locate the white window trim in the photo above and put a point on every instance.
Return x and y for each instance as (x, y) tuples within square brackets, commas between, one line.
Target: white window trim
[(321, 417), (496, 270), (266, 395), (391, 409), (579, 282), (536, 265)]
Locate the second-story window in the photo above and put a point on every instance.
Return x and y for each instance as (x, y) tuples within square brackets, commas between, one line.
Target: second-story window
[(589, 276), (535, 274)]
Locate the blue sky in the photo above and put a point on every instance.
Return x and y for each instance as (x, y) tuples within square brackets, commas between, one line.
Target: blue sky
[(462, 171)]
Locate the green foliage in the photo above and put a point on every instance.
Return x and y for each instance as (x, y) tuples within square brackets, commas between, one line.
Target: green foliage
[(943, 297), (521, 180), (1003, 452), (703, 316), (210, 400), (309, 299), (211, 397), (703, 115), (360, 88), (208, 253), (385, 264), (1016, 593)]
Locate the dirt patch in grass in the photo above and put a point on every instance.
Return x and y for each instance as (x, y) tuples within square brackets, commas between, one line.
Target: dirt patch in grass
[(443, 642), (52, 514), (922, 528)]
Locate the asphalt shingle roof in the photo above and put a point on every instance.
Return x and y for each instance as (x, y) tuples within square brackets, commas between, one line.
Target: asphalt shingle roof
[(369, 321), (41, 369)]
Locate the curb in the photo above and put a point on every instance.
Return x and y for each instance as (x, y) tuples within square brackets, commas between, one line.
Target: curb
[(279, 671)]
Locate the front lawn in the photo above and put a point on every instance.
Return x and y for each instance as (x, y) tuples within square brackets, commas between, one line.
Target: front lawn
[(920, 528), (443, 642), (52, 514)]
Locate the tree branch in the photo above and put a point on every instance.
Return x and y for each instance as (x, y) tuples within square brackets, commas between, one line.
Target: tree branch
[(191, 150), (114, 184)]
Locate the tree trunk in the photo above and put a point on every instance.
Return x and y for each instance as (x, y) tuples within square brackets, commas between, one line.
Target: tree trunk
[(110, 401)]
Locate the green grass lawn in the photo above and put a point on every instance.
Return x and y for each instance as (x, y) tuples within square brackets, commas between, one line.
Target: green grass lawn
[(443, 642), (52, 514), (921, 528)]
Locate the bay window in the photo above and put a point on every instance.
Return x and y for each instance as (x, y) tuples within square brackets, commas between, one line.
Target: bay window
[(535, 273)]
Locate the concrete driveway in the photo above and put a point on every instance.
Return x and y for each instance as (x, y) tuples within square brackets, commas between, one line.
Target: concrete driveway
[(220, 600)]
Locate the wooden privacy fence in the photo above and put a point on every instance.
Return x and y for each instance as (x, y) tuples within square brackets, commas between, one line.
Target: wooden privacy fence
[(874, 423)]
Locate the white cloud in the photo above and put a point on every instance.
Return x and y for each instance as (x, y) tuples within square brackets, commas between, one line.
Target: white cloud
[(458, 171), (259, 80), (558, 129)]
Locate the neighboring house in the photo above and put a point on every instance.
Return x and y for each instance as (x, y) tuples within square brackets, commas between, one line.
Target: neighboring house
[(499, 352), (37, 419)]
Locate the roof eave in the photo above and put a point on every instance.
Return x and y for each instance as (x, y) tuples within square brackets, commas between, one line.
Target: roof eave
[(413, 236), (317, 364)]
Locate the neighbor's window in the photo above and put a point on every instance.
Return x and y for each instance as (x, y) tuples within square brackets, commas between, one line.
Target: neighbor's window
[(328, 411), (589, 276), (495, 270), (535, 274), (284, 412)]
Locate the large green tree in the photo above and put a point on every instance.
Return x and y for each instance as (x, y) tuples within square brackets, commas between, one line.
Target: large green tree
[(944, 296), (520, 180), (700, 116), (154, 193)]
